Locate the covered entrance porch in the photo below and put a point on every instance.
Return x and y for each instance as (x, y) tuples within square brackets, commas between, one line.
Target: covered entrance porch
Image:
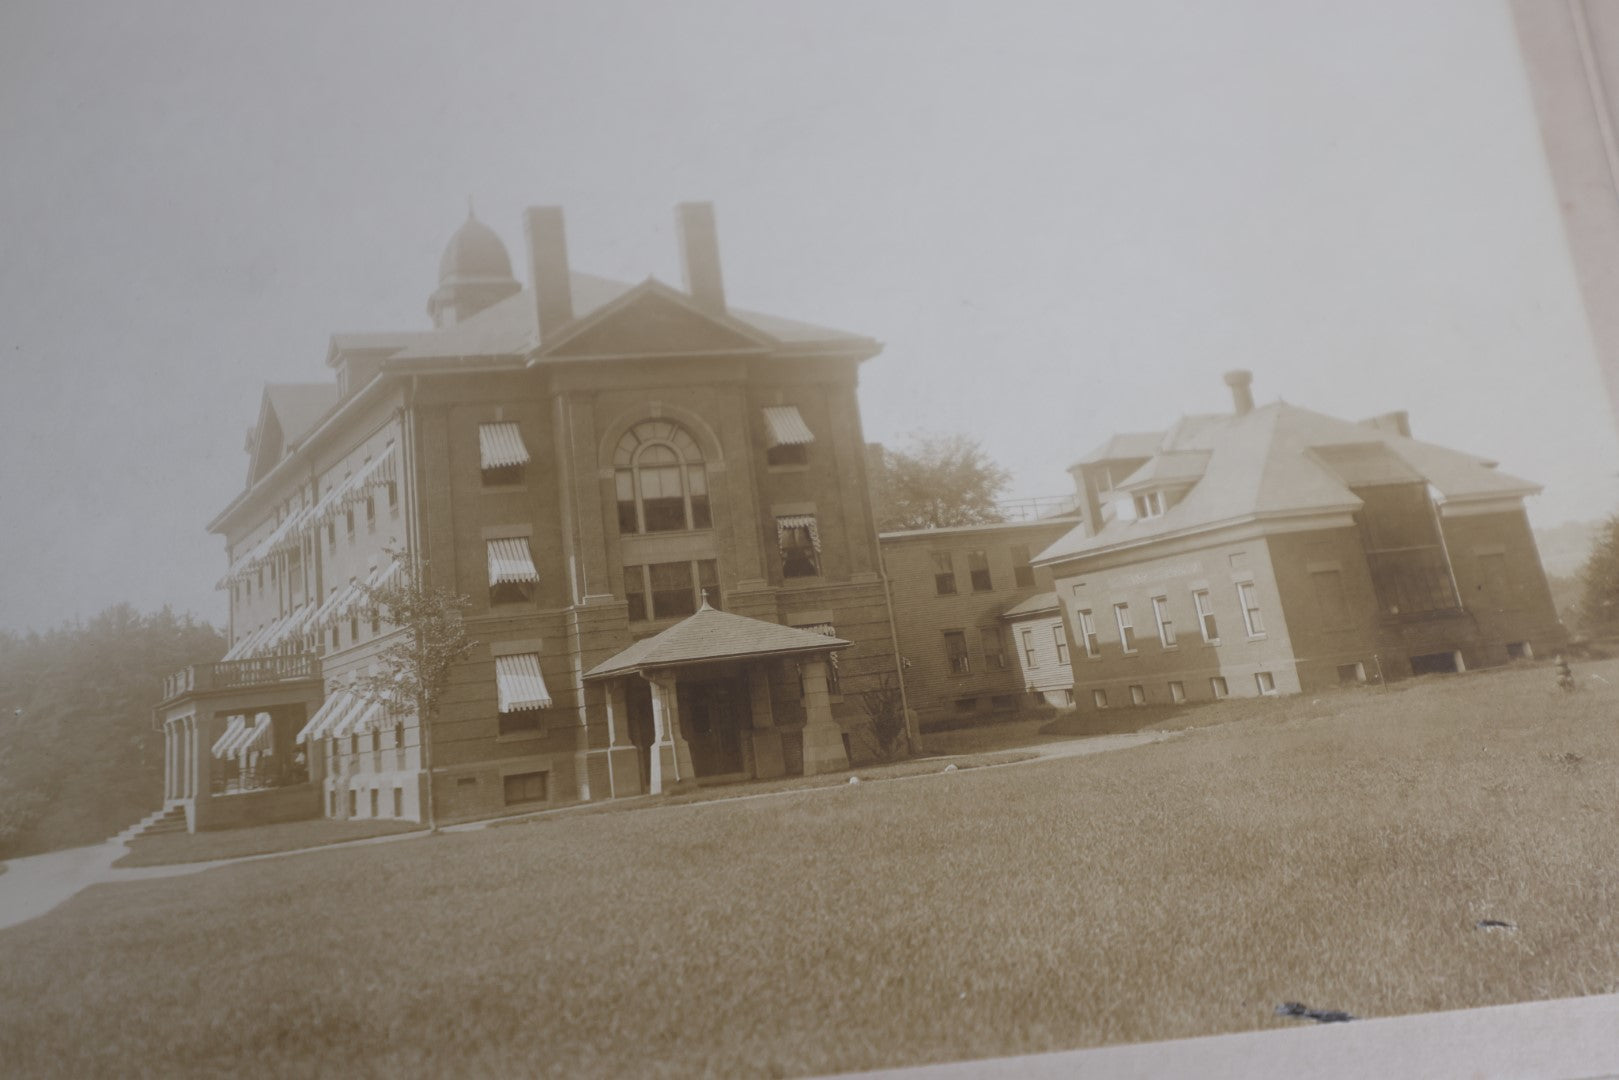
[(720, 697)]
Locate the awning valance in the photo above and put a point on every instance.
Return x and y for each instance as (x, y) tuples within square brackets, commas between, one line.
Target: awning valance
[(519, 683), (246, 735), (329, 710), (511, 561), (363, 715), (377, 472), (233, 728), (799, 521), (786, 426), (501, 445)]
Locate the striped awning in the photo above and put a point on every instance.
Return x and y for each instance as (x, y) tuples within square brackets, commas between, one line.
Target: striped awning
[(329, 711), (519, 684), (233, 728), (799, 521), (786, 426), (511, 561), (246, 735), (501, 445), (363, 715), (375, 473), (258, 737)]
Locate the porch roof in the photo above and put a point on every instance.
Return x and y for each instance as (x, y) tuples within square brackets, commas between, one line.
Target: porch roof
[(713, 635)]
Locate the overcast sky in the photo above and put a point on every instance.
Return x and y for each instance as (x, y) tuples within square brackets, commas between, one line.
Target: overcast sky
[(1063, 219)]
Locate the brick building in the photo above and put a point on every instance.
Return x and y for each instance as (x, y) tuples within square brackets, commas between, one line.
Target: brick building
[(656, 502), (1277, 550), (950, 589)]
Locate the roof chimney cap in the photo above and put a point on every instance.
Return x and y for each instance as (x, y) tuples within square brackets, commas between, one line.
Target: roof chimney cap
[(1242, 394)]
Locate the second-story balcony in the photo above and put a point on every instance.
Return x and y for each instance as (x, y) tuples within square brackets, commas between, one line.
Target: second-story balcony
[(249, 671)]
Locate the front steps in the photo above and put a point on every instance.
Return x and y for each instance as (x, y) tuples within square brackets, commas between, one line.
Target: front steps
[(172, 819)]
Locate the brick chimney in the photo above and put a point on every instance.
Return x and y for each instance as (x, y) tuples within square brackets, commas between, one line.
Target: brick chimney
[(1242, 394), (548, 268), (700, 256)]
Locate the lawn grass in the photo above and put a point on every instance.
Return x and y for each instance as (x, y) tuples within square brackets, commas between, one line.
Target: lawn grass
[(163, 849), (1339, 859)]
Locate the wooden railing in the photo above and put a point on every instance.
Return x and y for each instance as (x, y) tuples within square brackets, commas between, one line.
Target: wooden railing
[(252, 671)]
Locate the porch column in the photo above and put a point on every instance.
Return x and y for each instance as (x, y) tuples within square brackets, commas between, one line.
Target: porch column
[(823, 739), (168, 762), (623, 764), (671, 757), (768, 762), (182, 750)]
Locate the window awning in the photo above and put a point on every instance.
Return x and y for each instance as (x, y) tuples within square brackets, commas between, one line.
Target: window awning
[(375, 473), (363, 715), (519, 683), (501, 445), (511, 561), (246, 735), (257, 738), (787, 427), (233, 728), (330, 710), (799, 521)]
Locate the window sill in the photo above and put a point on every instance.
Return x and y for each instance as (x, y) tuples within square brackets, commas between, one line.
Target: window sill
[(800, 468), (1213, 643), (520, 736), (1257, 637), (503, 489), (1170, 648)]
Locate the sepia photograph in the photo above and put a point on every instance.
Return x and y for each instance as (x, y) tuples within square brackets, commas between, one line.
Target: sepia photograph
[(733, 538)]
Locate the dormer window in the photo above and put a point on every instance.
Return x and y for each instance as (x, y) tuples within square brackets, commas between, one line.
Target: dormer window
[(1150, 504)]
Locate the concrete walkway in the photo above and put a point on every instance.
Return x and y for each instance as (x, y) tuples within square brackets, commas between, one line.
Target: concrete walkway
[(1569, 1039)]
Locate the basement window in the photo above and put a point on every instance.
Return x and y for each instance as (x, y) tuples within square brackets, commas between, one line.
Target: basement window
[(1217, 685), (1520, 650), (1266, 683), (1099, 698), (1138, 695), (1350, 674), (526, 788)]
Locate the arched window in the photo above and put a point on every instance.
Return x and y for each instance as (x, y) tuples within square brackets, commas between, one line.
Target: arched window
[(662, 487)]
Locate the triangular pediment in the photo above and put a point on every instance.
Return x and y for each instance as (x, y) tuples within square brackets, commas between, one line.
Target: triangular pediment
[(267, 443), (653, 320)]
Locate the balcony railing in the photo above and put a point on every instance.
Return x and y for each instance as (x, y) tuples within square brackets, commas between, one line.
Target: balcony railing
[(251, 671)]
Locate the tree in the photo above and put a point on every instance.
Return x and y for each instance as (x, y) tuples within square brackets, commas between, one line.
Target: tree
[(413, 671), (937, 482), (1599, 581)]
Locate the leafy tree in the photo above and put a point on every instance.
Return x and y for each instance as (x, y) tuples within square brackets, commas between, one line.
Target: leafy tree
[(413, 670), (937, 482), (1599, 581), (82, 758)]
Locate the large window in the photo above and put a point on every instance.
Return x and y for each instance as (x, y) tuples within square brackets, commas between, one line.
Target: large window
[(1029, 656), (978, 569), (660, 480), (671, 590), (1205, 616), (992, 641), (1087, 633), (799, 540), (1061, 637), (1251, 615), (955, 651), (1166, 625), (1127, 633), (1022, 572), (944, 574)]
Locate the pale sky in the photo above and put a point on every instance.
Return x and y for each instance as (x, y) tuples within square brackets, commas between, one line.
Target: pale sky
[(1063, 219)]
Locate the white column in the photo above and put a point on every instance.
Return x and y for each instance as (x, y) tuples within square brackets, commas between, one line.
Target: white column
[(823, 739), (623, 760), (671, 757)]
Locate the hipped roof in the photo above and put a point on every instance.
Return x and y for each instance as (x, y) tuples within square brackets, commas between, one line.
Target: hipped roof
[(712, 635), (1281, 460)]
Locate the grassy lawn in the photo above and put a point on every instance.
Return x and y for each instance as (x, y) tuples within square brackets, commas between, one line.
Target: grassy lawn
[(1336, 851), (180, 847)]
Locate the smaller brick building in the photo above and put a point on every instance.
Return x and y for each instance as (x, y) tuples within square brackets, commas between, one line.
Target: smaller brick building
[(950, 588), (1277, 550)]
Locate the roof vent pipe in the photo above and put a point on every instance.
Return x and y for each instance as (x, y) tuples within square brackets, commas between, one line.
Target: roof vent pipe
[(1242, 394)]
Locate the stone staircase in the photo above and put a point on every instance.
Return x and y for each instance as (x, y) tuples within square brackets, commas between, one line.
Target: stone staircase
[(159, 821)]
